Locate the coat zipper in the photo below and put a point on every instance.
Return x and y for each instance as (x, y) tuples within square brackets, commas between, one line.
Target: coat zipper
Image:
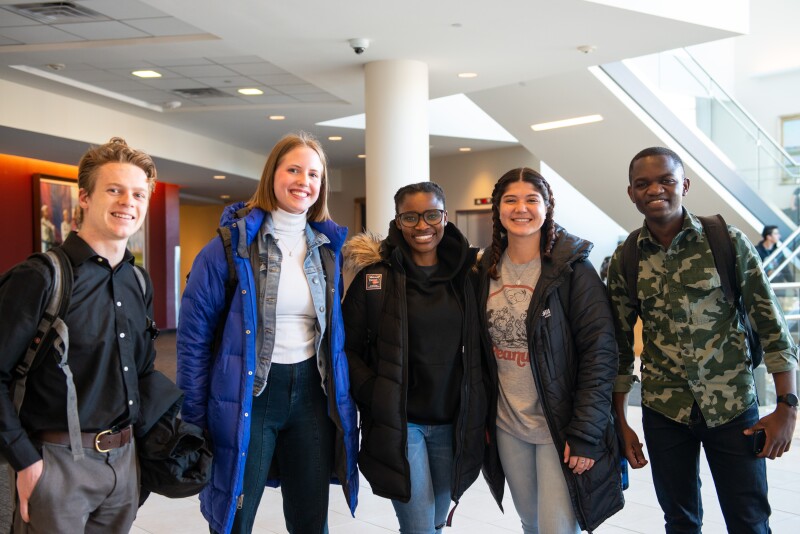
[(537, 380)]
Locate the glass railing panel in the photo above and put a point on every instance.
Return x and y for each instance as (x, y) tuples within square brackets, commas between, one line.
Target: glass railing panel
[(715, 117)]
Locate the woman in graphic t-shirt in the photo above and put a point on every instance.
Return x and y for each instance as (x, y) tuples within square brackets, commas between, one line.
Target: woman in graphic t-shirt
[(552, 360)]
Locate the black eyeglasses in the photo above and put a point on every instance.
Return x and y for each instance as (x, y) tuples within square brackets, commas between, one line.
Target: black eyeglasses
[(410, 219)]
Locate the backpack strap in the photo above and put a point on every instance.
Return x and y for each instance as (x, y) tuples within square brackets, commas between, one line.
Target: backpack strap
[(230, 287), (137, 270), (57, 306), (52, 333), (630, 267), (719, 241)]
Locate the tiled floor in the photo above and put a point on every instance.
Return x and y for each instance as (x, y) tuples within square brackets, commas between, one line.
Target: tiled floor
[(478, 513)]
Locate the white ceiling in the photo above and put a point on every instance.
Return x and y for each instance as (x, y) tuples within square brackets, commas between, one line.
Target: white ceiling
[(298, 54)]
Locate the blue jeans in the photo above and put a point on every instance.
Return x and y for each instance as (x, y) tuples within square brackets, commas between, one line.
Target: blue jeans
[(740, 478), (430, 458), (290, 420), (537, 482)]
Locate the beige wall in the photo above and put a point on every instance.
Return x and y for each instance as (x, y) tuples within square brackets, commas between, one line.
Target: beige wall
[(468, 176), (198, 226), (340, 204)]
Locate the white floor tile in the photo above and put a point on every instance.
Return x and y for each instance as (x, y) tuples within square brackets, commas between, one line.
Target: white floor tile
[(478, 513)]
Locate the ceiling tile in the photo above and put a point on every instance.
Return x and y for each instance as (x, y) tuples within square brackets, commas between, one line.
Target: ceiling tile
[(219, 101), (180, 61), (95, 31), (251, 69), (271, 99), (129, 9), (7, 18), (300, 89), (278, 79), (168, 84), (202, 71), (6, 41), (163, 26), (228, 82), (38, 35), (318, 97), (236, 60)]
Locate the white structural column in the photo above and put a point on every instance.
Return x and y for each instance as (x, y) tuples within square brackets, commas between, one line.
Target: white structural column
[(397, 140)]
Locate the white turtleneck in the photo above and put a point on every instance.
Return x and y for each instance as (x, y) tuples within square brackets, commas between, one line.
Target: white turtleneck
[(295, 318)]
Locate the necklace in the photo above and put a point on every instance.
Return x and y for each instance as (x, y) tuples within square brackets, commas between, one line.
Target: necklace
[(294, 247), (518, 274)]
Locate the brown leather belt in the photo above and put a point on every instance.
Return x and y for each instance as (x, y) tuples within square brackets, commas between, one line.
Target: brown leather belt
[(101, 441)]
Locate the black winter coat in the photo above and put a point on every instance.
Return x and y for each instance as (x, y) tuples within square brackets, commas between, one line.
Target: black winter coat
[(376, 342), (574, 363)]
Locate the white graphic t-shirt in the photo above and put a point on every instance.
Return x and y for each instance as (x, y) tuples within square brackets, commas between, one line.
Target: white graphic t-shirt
[(519, 411)]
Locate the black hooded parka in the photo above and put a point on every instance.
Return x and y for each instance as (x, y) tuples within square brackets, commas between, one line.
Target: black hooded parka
[(573, 355), (376, 325)]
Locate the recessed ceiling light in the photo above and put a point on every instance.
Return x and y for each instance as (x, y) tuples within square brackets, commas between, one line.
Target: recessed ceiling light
[(250, 91), (566, 122), (334, 138), (467, 74), (362, 156), (146, 74), (219, 176), (225, 197), (276, 117), (465, 149)]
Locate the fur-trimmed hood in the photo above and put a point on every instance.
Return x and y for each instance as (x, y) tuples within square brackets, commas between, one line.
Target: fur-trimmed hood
[(362, 250)]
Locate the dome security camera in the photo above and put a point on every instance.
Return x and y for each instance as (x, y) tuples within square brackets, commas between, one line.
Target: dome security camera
[(359, 45)]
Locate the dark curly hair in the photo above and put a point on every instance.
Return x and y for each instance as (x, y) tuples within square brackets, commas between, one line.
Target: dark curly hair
[(499, 235)]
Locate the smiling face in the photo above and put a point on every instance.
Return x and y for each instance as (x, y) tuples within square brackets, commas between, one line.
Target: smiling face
[(657, 187), (117, 206), (422, 238), (522, 210), (297, 180)]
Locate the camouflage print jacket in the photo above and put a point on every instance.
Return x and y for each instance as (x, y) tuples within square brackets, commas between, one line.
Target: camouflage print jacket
[(694, 343)]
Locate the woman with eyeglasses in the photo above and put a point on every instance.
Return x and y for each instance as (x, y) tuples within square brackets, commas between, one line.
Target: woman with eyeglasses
[(413, 348), (552, 362)]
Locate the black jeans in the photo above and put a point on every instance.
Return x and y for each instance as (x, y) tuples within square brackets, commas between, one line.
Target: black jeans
[(740, 478), (290, 420)]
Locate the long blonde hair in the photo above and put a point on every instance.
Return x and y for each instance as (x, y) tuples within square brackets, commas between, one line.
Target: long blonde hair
[(264, 197)]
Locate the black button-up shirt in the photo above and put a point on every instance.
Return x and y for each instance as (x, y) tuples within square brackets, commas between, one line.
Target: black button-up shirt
[(109, 348)]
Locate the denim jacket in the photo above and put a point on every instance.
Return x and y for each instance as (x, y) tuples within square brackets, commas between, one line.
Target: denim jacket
[(266, 261)]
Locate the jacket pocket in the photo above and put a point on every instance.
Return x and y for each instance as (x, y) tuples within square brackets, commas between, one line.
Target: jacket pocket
[(706, 296)]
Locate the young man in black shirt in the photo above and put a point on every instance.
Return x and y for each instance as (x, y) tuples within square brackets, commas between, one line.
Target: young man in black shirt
[(110, 350)]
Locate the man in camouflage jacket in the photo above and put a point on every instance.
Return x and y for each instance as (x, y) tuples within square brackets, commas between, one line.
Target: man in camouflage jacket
[(697, 377)]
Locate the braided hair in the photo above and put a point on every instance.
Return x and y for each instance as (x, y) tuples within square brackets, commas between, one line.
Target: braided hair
[(499, 234)]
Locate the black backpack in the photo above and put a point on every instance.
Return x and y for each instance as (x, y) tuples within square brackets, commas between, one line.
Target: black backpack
[(52, 335), (722, 248)]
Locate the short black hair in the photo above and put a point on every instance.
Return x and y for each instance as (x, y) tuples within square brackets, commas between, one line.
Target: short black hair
[(655, 151), (420, 187), (768, 230)]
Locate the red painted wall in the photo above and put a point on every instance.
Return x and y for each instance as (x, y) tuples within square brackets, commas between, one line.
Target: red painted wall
[(16, 204), (17, 226)]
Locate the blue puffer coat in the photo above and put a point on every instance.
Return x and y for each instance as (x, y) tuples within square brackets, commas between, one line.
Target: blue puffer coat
[(219, 387)]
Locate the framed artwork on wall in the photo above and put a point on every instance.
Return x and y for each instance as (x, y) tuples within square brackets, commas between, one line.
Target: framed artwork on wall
[(55, 210), (790, 135), (56, 213)]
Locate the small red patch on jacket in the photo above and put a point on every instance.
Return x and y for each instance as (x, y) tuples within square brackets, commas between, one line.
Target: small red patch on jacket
[(374, 281)]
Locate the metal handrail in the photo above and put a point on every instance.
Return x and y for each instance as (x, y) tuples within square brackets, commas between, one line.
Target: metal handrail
[(744, 111)]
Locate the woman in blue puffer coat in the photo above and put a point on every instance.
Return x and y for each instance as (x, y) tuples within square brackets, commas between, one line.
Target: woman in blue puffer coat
[(277, 407)]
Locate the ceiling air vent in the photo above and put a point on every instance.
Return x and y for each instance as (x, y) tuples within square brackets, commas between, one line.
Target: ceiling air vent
[(57, 12), (200, 92)]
